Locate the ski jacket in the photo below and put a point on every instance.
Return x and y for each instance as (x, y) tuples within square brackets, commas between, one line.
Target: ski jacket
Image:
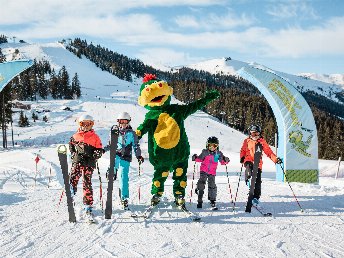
[(86, 148), (210, 161), (248, 150), (127, 141)]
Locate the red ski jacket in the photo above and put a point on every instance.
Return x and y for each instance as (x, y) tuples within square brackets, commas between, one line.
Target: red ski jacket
[(248, 150)]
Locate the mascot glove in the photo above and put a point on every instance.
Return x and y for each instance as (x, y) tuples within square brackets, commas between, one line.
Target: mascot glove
[(138, 133), (212, 94)]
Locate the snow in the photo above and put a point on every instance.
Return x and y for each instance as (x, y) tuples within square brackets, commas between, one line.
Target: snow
[(33, 225)]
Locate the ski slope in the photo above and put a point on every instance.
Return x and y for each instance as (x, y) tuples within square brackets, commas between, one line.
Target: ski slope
[(34, 225)]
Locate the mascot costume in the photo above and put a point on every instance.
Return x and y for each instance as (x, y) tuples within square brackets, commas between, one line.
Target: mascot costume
[(168, 144)]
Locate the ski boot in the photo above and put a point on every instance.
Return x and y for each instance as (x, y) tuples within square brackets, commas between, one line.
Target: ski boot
[(155, 199), (199, 205), (213, 205), (125, 205), (255, 202), (180, 201), (89, 214)]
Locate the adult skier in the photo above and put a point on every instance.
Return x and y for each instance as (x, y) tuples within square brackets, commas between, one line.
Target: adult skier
[(209, 158), (86, 148), (127, 141), (247, 158)]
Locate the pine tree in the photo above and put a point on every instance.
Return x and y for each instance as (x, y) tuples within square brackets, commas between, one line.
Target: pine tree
[(2, 57), (23, 120), (75, 88)]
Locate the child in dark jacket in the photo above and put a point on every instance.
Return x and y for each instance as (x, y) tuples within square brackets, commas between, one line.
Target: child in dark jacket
[(86, 148), (209, 159)]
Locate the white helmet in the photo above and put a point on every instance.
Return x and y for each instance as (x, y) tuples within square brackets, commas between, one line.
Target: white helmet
[(86, 118), (124, 115)]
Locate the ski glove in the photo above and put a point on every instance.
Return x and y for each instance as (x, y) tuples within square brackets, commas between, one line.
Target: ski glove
[(140, 159), (242, 159), (226, 159), (279, 161), (80, 148), (194, 157), (98, 153)]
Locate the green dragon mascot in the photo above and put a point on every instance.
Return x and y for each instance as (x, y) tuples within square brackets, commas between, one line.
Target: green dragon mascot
[(168, 144)]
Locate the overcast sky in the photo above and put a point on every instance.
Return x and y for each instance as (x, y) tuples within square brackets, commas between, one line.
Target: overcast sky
[(285, 35)]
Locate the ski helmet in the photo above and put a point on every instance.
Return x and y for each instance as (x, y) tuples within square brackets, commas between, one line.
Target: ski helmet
[(86, 118), (124, 116), (255, 128), (212, 139)]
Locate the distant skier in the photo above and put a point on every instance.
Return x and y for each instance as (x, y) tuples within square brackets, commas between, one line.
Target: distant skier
[(86, 148), (127, 141), (247, 157), (209, 158)]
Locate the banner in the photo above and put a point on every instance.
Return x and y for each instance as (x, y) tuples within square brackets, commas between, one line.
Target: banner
[(297, 133), (9, 70)]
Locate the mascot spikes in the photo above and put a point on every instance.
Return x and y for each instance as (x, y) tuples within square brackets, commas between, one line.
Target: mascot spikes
[(168, 144)]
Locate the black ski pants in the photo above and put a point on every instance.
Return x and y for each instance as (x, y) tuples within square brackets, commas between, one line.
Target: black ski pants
[(212, 188)]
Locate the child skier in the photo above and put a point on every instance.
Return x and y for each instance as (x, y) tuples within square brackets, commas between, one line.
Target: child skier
[(247, 157), (209, 158), (86, 148), (127, 140)]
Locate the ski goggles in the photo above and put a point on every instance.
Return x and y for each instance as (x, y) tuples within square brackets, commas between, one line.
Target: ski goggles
[(86, 123), (123, 121), (255, 133), (214, 145)]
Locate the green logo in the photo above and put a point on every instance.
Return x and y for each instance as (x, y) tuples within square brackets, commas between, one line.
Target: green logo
[(296, 139)]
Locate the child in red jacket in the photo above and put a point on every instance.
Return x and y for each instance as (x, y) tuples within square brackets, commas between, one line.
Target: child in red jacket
[(209, 158), (247, 157), (86, 148)]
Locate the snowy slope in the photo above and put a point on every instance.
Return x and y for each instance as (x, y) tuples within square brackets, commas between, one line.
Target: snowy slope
[(319, 84), (32, 224)]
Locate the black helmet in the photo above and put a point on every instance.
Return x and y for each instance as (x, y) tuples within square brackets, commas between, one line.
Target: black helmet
[(255, 128), (212, 139)]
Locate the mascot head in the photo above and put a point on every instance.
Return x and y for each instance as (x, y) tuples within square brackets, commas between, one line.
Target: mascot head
[(154, 92)]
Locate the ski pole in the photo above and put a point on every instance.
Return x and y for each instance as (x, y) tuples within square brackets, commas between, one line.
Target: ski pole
[(100, 189), (229, 185), (139, 188), (236, 192), (285, 175), (193, 178), (58, 205)]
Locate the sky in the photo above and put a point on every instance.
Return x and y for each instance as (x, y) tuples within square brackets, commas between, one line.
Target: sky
[(293, 36)]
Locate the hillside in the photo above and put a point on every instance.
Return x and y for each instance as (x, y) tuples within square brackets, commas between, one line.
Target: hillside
[(322, 85)]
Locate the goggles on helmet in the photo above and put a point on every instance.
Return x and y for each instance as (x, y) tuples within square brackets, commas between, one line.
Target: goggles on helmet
[(212, 145), (123, 121), (86, 123)]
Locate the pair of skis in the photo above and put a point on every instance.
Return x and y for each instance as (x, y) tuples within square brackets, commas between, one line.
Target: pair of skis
[(146, 214)]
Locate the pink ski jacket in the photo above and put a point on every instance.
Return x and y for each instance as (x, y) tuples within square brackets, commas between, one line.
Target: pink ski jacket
[(210, 160)]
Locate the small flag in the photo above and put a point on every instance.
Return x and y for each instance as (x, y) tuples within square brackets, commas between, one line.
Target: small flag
[(37, 159)]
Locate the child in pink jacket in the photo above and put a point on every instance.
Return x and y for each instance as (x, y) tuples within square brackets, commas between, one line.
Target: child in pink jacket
[(209, 158)]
